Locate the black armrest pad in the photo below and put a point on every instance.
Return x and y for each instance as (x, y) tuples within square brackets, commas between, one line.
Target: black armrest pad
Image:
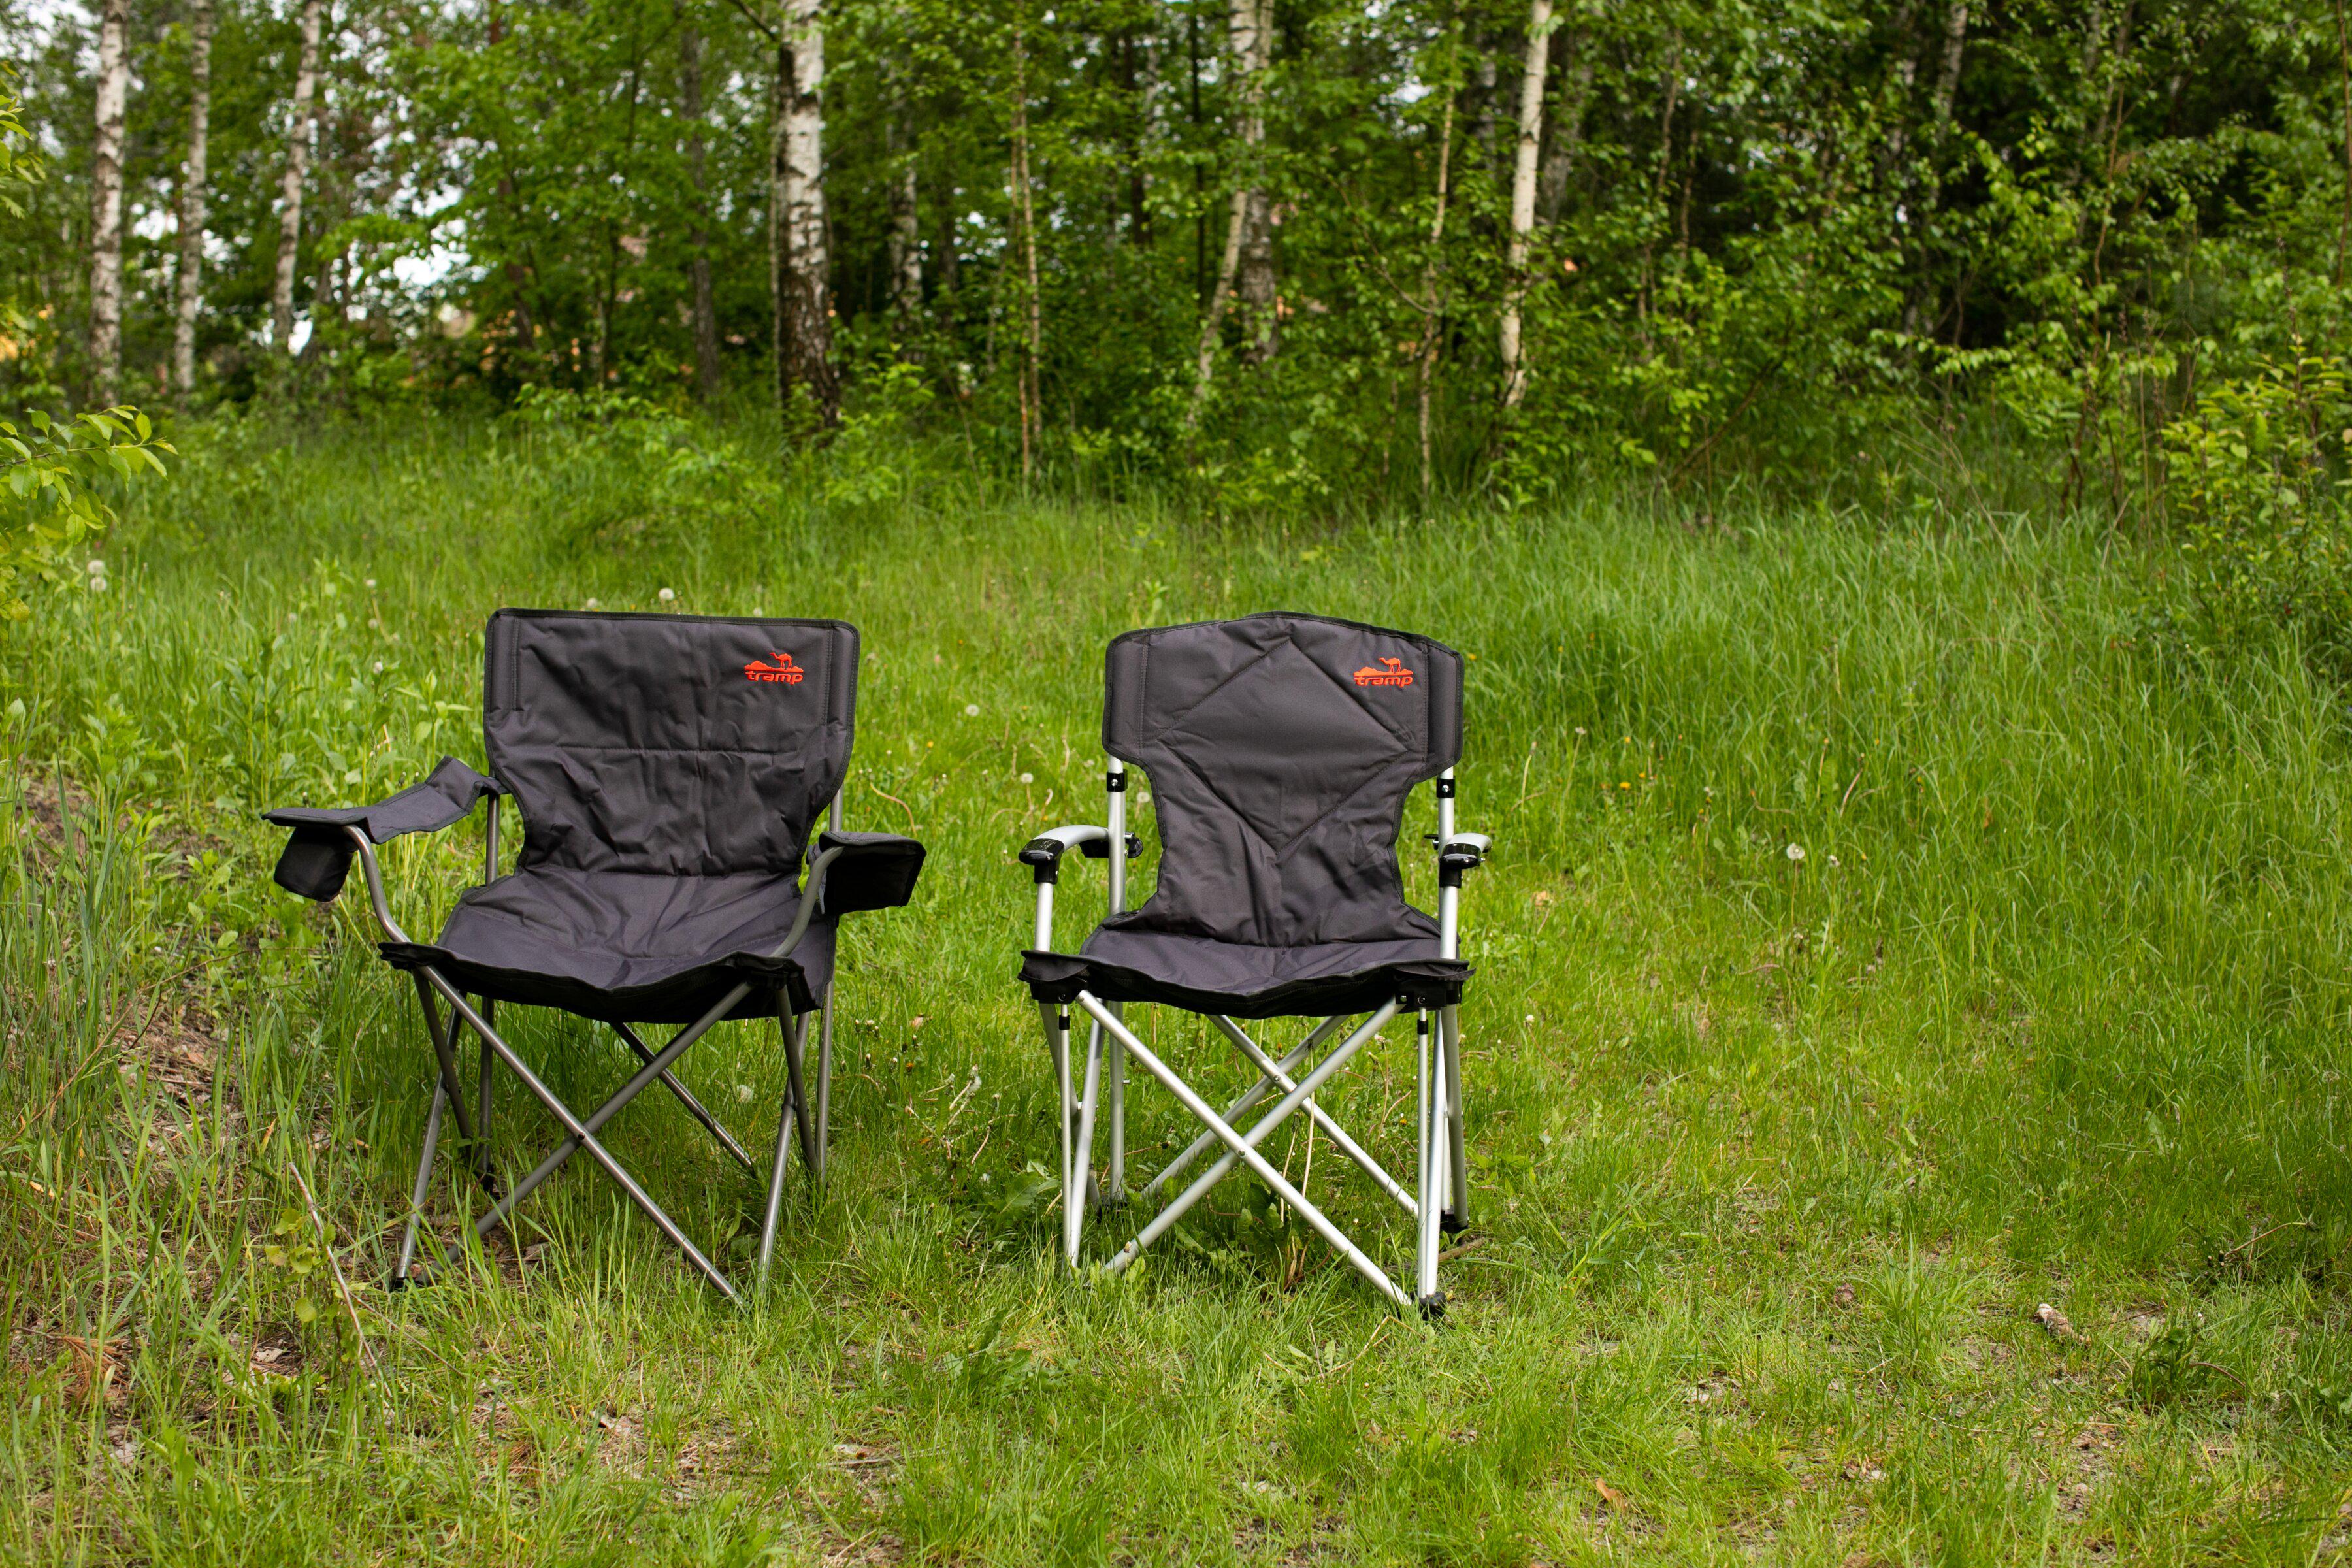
[(319, 856), (876, 871)]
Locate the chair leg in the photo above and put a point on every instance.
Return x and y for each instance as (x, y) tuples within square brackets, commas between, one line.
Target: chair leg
[(482, 1107), (824, 1085), (790, 1116), (1057, 1043), (1431, 1145), (1455, 1216), (1074, 1200), (685, 1097), (399, 1281), (1114, 1193)]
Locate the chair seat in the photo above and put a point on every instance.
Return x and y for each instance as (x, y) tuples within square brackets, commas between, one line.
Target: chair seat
[(1127, 963), (628, 947)]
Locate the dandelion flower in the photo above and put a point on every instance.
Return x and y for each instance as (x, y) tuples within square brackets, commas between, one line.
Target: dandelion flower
[(743, 1092), (97, 584), (378, 666), (1028, 778), (591, 603), (1833, 862), (971, 709), (665, 595), (1796, 851), (1531, 1017), (367, 582), (97, 568)]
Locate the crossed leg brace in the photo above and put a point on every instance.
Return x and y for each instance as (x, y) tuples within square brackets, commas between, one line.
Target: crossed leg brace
[(1436, 1205)]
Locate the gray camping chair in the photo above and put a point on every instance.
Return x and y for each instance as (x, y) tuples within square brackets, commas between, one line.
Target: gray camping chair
[(671, 771), (1280, 750)]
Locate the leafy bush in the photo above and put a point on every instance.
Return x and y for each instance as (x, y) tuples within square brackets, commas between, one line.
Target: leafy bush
[(2256, 480)]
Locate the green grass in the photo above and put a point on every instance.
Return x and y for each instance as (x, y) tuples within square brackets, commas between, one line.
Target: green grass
[(1775, 1159)]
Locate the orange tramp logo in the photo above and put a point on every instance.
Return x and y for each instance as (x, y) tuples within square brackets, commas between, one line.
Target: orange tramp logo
[(784, 669), (1392, 672)]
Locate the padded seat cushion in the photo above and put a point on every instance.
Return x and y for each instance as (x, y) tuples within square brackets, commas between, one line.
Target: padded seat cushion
[(1241, 981), (630, 947)]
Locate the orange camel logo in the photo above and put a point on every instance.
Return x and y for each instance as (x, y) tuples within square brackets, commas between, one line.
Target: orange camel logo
[(1392, 672), (783, 669)]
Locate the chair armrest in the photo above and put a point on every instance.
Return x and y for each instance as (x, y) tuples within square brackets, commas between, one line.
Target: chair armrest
[(318, 858), (1461, 853), (1044, 852), (872, 872)]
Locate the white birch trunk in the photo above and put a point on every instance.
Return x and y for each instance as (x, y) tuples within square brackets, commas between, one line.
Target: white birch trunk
[(298, 167), (1523, 197), (190, 281), (106, 201), (1248, 33), (806, 313)]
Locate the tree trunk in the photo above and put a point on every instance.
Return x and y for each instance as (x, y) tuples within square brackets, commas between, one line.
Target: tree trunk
[(1025, 218), (1566, 132), (106, 202), (1253, 24), (706, 309), (1523, 196), (798, 260), (1433, 335), (1249, 41), (297, 166), (1947, 84), (192, 197), (906, 229)]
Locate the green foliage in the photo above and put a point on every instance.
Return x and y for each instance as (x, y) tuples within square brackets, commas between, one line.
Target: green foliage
[(59, 478), (2259, 487)]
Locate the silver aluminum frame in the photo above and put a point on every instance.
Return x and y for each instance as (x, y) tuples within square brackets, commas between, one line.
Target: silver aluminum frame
[(1439, 1201), (794, 1114)]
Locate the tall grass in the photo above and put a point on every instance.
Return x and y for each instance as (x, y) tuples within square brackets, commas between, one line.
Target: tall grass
[(1882, 941)]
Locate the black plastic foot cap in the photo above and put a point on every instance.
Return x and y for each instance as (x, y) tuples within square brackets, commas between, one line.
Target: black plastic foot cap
[(1451, 1223), (1433, 1308)]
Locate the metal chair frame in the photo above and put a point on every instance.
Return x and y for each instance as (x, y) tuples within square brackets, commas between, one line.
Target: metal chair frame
[(1438, 1202), (795, 1115)]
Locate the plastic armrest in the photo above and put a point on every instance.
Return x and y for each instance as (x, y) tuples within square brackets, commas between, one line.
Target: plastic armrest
[(318, 857), (1461, 853), (1044, 852)]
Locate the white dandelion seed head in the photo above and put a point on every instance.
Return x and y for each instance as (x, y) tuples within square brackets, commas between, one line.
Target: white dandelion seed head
[(1833, 862), (367, 582), (1531, 1017), (96, 568), (971, 709), (665, 595), (591, 603), (378, 666), (1796, 851), (1028, 778), (743, 1092), (1580, 728), (97, 584)]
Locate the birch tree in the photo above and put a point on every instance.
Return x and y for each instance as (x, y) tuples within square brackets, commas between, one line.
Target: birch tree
[(1248, 32), (192, 197), (705, 308), (1523, 198), (298, 167), (106, 200), (800, 267)]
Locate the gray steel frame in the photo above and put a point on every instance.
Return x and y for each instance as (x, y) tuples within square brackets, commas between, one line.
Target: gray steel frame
[(580, 1133), (1438, 1205)]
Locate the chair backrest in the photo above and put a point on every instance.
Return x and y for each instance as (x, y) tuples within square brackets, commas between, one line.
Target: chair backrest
[(1280, 750), (678, 744)]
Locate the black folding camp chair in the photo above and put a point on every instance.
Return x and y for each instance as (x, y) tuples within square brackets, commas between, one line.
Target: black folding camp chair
[(670, 770), (1280, 750)]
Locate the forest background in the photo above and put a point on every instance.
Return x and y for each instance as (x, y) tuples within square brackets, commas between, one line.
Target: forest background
[(1273, 254)]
